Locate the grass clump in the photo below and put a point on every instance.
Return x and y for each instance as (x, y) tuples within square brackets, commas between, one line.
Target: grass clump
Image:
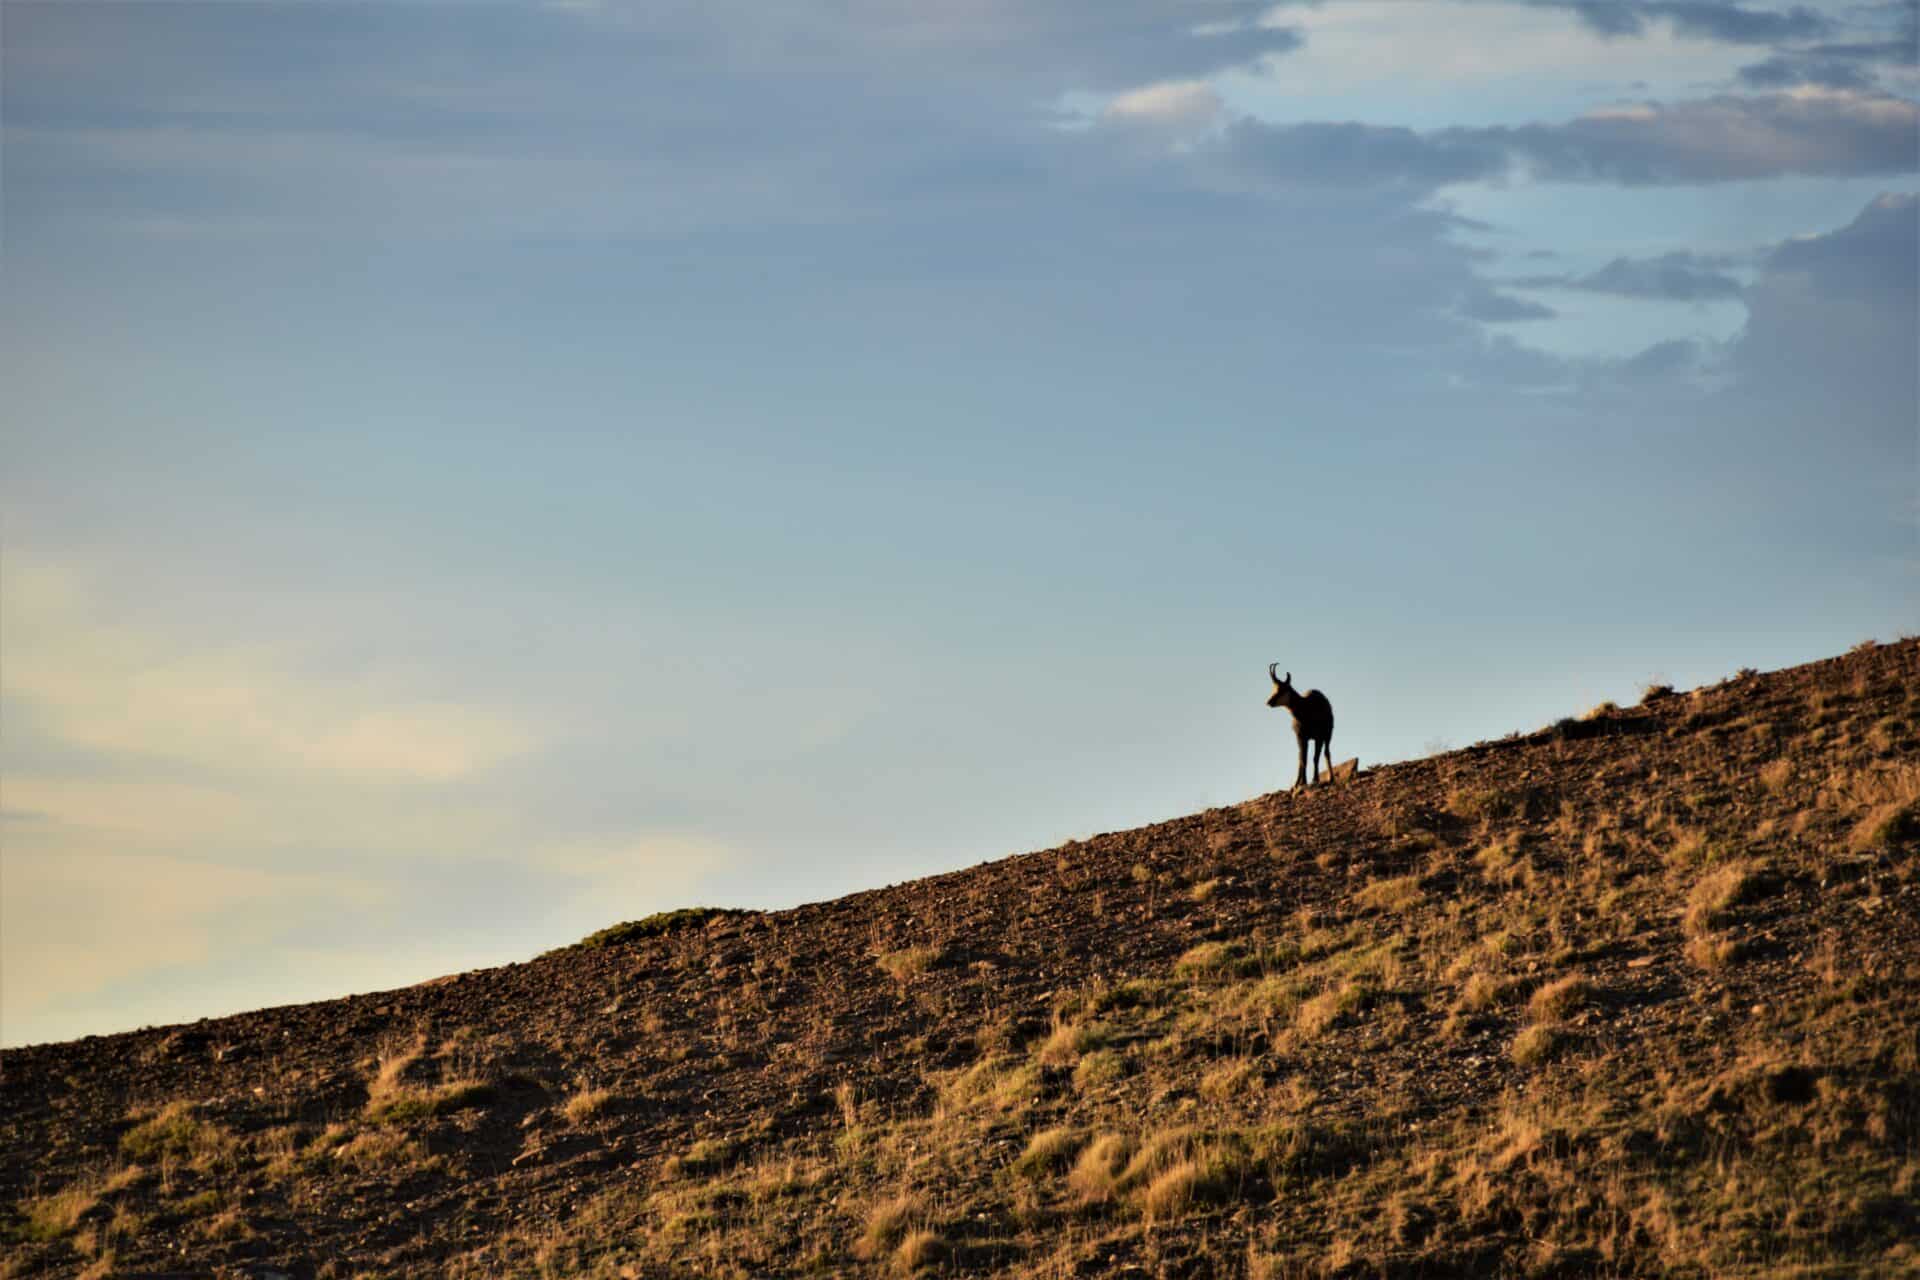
[(1102, 1066), (889, 1223), (918, 1250), (1396, 894), (1891, 825), (1215, 960), (1558, 1001), (1535, 1045), (1717, 892), (1714, 952), (1483, 991), (1001, 1082), (1070, 1041), (907, 962), (1211, 1175), (1334, 1006), (403, 1104), (585, 1103), (1485, 804), (50, 1217), (1230, 1081), (657, 924), (1096, 1174), (177, 1131), (1049, 1151)]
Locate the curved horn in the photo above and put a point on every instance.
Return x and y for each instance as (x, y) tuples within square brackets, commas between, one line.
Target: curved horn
[(1270, 675)]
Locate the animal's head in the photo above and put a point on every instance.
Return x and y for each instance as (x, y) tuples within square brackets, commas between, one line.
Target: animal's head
[(1283, 693)]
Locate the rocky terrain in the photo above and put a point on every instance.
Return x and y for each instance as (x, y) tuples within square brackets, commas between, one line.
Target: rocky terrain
[(1635, 994)]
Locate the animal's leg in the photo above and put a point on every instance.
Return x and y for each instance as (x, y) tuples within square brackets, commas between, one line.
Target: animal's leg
[(1326, 750), (1300, 778)]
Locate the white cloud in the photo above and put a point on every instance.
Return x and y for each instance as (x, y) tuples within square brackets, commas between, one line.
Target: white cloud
[(1182, 105)]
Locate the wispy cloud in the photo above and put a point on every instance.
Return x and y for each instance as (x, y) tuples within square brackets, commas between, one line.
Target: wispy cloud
[(193, 701), (1672, 277)]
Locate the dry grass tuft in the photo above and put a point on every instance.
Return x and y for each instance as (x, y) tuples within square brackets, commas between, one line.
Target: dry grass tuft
[(908, 962), (1716, 893), (1102, 1066), (919, 1250), (1558, 1001), (1049, 1151), (1715, 951), (1214, 960), (585, 1103), (1535, 1045), (177, 1132), (1096, 1174), (1396, 894), (1334, 1007), (1230, 1081), (889, 1223), (1069, 1041), (1895, 821), (49, 1217)]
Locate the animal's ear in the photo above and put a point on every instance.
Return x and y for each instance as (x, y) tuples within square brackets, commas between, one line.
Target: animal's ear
[(1289, 679)]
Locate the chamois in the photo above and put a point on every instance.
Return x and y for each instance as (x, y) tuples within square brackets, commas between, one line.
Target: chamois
[(1312, 722)]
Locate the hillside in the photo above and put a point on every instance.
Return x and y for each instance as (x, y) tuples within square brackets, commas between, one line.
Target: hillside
[(1635, 994)]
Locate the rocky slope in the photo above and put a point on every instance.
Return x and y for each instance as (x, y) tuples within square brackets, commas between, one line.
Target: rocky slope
[(1634, 994)]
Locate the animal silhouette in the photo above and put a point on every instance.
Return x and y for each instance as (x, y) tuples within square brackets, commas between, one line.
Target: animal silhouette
[(1312, 722)]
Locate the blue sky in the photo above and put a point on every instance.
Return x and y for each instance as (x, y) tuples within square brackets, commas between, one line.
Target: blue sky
[(477, 472)]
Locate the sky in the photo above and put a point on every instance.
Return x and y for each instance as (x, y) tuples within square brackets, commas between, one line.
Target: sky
[(473, 473)]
